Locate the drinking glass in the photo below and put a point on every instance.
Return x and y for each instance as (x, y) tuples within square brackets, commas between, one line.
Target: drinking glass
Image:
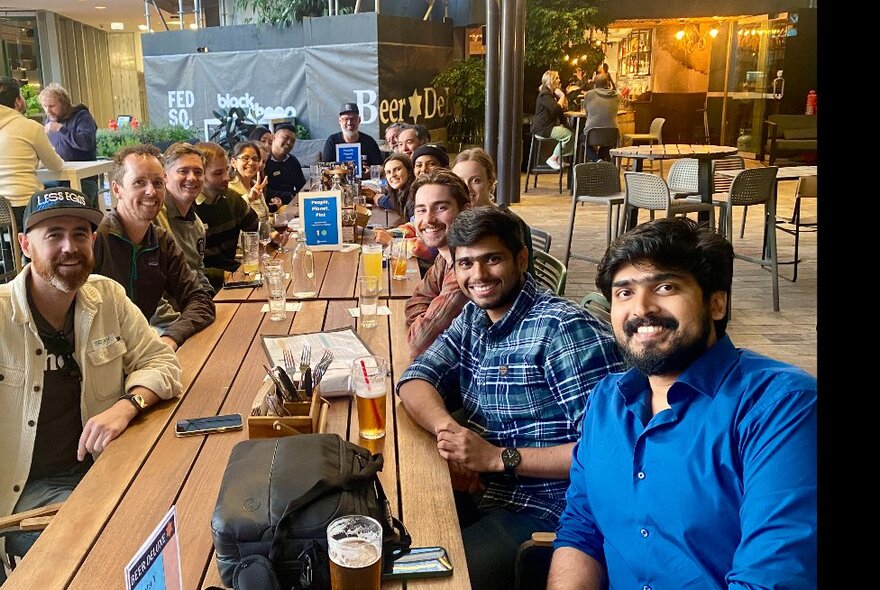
[(368, 301), (354, 545), (264, 229), (375, 172), (279, 224), (276, 287), (368, 375), (372, 260), (397, 260), (250, 252)]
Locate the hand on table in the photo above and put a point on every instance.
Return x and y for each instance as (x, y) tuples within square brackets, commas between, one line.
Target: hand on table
[(169, 341), (380, 236), (464, 446), (104, 427)]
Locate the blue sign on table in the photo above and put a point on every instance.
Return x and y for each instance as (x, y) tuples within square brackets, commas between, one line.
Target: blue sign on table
[(350, 152), (320, 217), (156, 565)]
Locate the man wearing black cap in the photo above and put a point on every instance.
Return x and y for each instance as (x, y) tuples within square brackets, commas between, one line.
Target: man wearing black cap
[(349, 122), (78, 360)]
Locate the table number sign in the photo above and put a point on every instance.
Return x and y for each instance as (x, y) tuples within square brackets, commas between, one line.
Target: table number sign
[(350, 152), (320, 217), (156, 565)]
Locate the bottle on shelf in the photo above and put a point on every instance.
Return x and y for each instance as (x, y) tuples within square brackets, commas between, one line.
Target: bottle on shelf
[(302, 270)]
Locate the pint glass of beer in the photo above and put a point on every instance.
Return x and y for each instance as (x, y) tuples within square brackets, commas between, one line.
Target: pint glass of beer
[(355, 546), (368, 375)]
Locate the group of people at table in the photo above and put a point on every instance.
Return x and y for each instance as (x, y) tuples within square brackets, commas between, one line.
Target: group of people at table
[(662, 455)]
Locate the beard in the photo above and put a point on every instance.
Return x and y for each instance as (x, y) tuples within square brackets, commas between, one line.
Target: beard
[(680, 354), (65, 280)]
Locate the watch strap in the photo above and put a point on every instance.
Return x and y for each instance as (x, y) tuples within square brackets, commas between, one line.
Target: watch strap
[(131, 398)]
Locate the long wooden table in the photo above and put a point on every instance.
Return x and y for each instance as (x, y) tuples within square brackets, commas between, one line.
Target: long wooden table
[(147, 469), (336, 275)]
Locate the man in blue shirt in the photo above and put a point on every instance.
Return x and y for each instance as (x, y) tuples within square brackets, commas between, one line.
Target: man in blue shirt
[(520, 363), (697, 467)]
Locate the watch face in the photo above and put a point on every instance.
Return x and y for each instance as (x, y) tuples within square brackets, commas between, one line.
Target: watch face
[(139, 400), (510, 457)]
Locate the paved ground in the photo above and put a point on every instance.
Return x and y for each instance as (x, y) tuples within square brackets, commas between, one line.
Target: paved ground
[(788, 335)]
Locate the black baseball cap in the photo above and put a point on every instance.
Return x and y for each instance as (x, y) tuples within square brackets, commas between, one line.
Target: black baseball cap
[(437, 151), (57, 202), (349, 107)]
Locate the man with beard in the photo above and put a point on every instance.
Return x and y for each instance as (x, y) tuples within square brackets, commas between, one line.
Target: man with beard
[(520, 363), (78, 361), (145, 258), (225, 213), (697, 466), (439, 197), (349, 123)]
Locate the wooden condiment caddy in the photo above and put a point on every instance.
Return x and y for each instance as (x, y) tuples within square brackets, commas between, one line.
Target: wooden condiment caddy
[(306, 417)]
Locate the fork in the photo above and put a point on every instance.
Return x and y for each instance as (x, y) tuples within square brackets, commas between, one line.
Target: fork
[(289, 364), (305, 360), (322, 366)]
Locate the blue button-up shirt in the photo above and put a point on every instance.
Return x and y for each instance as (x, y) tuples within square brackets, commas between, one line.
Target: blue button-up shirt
[(719, 491), (522, 382)]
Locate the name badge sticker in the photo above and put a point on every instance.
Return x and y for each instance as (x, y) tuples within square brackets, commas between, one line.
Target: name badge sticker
[(99, 343)]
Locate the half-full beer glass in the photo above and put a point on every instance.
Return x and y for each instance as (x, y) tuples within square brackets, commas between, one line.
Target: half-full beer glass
[(368, 375), (355, 546)]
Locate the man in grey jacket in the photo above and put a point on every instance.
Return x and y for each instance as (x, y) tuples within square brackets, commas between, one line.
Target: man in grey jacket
[(600, 104), (78, 361)]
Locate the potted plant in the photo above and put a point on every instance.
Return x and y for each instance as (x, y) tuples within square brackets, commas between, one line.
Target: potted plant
[(235, 126), (465, 80)]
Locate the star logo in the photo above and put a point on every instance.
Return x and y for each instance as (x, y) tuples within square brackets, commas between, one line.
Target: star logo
[(415, 105)]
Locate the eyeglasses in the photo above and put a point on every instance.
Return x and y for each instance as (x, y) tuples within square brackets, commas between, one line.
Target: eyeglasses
[(247, 159), (59, 345), (348, 119)]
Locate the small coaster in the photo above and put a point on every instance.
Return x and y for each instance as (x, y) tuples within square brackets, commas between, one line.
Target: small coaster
[(350, 247), (289, 306), (381, 310)]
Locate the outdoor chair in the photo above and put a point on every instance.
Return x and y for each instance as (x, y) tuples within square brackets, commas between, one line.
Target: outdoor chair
[(10, 252), (536, 163), (595, 303), (755, 186), (649, 191), (654, 135), (721, 182), (601, 140), (597, 183), (550, 272), (808, 188), (540, 239), (684, 178)]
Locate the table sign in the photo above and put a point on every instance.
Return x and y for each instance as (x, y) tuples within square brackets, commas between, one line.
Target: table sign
[(320, 215), (350, 152), (156, 565)]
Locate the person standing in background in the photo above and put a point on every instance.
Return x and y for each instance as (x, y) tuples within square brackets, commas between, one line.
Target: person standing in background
[(549, 121), (24, 144), (72, 131)]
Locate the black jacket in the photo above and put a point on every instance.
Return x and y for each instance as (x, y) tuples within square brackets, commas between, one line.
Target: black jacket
[(548, 114)]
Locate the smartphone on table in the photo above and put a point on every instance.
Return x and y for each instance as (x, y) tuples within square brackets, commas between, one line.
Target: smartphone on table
[(208, 425), (419, 562)]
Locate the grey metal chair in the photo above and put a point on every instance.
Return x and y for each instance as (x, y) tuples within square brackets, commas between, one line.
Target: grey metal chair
[(540, 239), (648, 191), (654, 135), (536, 165), (10, 252), (755, 186), (721, 182), (808, 188), (550, 272), (597, 183)]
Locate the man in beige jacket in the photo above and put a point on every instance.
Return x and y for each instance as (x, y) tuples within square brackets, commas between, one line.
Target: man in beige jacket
[(78, 361)]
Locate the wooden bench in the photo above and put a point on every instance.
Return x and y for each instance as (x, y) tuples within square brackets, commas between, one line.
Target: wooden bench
[(787, 135)]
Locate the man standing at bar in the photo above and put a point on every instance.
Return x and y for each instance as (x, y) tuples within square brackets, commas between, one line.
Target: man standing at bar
[(78, 361), (144, 258), (697, 466), (350, 122), (520, 362)]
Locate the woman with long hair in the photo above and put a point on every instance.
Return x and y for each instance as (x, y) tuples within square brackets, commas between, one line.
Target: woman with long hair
[(399, 176), (549, 121)]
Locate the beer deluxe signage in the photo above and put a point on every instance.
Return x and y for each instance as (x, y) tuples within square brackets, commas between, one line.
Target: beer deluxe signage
[(156, 565), (320, 217)]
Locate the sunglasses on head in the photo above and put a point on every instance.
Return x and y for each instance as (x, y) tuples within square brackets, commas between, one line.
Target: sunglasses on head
[(58, 345)]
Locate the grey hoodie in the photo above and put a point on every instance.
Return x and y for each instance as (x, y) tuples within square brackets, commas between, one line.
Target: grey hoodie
[(601, 106)]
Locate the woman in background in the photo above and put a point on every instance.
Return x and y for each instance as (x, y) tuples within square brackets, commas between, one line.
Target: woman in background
[(549, 119), (248, 181)]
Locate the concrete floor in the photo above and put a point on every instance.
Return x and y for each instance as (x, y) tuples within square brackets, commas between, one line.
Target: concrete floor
[(789, 335)]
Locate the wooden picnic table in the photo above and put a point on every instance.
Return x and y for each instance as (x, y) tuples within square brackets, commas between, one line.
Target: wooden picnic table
[(148, 469)]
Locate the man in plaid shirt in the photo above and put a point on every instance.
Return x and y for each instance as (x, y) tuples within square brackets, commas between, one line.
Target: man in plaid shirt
[(519, 362)]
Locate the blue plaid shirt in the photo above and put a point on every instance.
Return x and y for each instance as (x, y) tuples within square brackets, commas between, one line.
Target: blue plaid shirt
[(522, 382)]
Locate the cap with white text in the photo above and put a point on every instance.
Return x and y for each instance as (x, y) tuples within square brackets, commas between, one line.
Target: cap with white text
[(58, 202)]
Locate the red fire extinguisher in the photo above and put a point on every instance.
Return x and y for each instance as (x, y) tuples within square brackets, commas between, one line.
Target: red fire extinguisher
[(812, 103)]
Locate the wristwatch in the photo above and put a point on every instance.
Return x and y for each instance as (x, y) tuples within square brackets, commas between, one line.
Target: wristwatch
[(136, 400), (511, 458)]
